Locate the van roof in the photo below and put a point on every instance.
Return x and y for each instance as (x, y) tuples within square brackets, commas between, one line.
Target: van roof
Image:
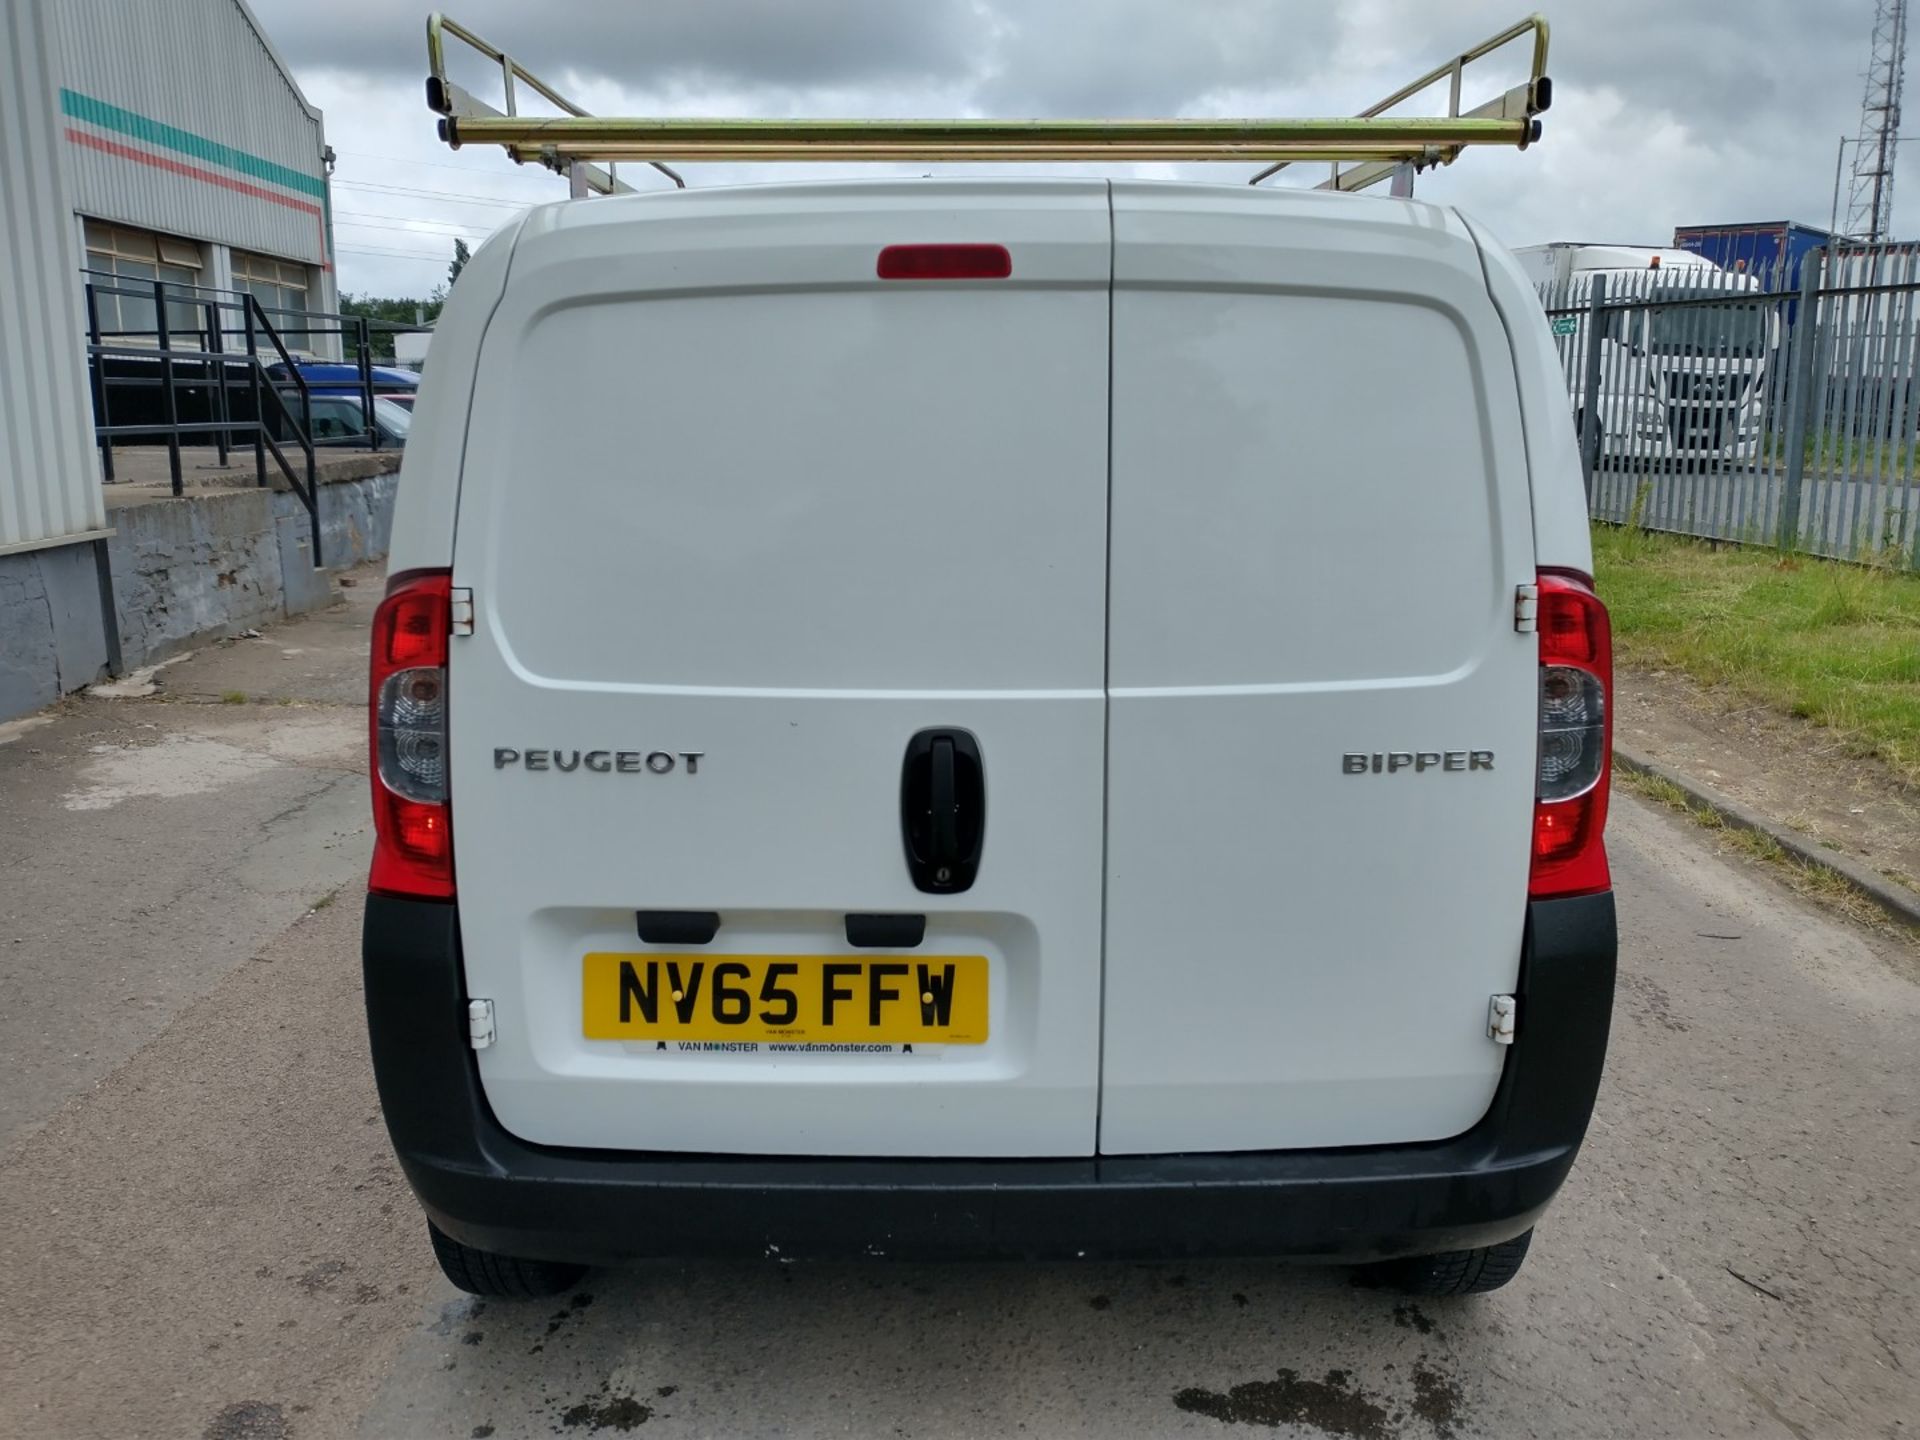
[(828, 196)]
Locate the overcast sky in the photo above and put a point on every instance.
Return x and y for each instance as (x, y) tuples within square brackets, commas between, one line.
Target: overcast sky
[(1665, 111)]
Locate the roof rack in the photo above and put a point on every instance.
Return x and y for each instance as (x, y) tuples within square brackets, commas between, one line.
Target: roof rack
[(1522, 103), (1372, 143)]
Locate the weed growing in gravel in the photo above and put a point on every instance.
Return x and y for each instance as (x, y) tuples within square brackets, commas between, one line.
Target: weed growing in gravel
[(1816, 882)]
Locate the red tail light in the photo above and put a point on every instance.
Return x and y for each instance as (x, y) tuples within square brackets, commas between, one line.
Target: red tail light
[(944, 262), (1576, 739), (407, 705)]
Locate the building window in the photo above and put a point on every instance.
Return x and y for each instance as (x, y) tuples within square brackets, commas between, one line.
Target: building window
[(122, 258), (279, 286)]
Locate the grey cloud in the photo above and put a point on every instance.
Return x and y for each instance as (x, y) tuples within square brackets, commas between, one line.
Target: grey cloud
[(1666, 111), (1147, 57), (776, 42)]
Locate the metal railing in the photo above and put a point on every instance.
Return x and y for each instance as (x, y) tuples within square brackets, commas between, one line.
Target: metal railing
[(216, 367), (1776, 406), (212, 367)]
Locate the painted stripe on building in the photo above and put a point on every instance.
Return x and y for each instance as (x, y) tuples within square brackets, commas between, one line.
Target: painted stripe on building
[(171, 137), (192, 172), (154, 132)]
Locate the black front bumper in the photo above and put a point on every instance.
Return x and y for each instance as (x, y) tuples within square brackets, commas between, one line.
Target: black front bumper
[(493, 1191)]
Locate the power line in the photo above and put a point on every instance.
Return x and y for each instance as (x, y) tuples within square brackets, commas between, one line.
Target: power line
[(461, 232), (391, 215), (396, 160), (407, 230), (392, 254), (449, 195)]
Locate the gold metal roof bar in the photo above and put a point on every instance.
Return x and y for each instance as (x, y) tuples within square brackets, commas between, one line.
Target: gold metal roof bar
[(576, 137), (593, 138), (558, 156), (1526, 99), (448, 98)]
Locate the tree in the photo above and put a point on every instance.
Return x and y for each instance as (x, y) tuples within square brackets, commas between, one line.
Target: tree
[(399, 311), (460, 257)]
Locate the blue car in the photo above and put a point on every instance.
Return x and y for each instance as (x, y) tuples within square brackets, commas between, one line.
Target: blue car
[(330, 377)]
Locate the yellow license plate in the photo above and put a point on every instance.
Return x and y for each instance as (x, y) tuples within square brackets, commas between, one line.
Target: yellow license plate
[(885, 999)]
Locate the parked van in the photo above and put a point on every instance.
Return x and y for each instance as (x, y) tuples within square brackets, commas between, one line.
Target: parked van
[(1048, 718), (1685, 364)]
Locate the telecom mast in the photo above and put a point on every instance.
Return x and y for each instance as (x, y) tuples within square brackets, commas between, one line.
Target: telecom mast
[(1870, 196)]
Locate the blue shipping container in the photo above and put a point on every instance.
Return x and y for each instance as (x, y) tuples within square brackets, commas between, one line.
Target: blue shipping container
[(1758, 246)]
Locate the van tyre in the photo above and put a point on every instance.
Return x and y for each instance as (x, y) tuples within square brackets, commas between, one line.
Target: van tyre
[(500, 1277), (1456, 1272)]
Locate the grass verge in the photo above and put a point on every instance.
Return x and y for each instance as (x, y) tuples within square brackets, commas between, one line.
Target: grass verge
[(1816, 882), (1834, 643)]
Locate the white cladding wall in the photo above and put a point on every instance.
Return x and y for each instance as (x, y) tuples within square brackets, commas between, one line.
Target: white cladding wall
[(49, 479), (178, 116)]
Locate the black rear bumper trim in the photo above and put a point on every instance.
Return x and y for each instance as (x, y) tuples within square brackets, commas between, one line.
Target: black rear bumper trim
[(491, 1190)]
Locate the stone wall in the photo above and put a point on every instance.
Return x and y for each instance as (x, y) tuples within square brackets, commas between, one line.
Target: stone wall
[(207, 564)]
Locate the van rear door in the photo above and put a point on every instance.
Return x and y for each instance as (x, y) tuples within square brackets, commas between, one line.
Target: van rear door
[(742, 520), (1319, 518)]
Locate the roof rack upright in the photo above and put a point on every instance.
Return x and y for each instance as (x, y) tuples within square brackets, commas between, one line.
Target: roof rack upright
[(1521, 102), (1374, 144)]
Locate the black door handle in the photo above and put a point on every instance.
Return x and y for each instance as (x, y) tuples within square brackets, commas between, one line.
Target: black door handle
[(943, 810), (943, 806)]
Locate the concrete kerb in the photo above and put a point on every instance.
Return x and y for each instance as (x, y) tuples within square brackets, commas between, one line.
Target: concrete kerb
[(1895, 899)]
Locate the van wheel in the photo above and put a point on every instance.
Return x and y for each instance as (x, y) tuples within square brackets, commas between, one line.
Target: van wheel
[(500, 1277), (1455, 1272)]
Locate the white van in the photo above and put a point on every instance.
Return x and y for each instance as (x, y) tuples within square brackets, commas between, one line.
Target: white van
[(1050, 718), (1685, 366)]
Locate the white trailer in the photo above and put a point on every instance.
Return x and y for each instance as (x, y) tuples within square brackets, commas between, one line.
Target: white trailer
[(1682, 374)]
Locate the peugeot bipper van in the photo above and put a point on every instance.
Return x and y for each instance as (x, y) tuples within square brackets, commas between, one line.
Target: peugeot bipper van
[(1048, 718)]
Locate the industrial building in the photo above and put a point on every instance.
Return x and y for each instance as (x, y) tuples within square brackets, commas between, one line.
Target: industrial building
[(219, 184), (140, 140)]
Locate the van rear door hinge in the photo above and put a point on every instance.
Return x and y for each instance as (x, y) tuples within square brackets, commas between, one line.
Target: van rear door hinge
[(480, 1023), (1526, 608), (461, 616), (1501, 1013)]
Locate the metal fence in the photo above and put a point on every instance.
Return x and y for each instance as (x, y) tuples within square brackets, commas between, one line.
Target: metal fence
[(178, 365), (1752, 406)]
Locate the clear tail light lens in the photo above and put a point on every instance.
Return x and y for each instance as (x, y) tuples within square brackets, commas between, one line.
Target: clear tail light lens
[(1573, 732), (1576, 739), (411, 723), (413, 832)]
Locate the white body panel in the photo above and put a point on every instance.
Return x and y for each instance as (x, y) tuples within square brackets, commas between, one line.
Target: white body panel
[(717, 489), (427, 501), (1561, 536), (799, 515), (1319, 519)]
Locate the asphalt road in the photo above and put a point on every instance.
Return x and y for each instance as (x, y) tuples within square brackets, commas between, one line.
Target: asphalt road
[(202, 1232)]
